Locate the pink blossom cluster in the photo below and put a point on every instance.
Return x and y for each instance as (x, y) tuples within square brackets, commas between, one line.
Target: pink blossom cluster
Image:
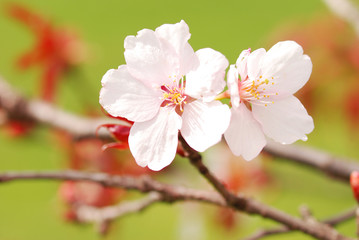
[(167, 88)]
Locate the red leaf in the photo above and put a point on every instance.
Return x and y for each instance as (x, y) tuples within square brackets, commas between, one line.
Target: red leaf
[(116, 145)]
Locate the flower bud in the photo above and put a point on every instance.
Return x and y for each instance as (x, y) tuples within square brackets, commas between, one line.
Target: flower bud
[(354, 183)]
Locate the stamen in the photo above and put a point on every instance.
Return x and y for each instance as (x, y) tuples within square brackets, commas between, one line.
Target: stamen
[(255, 92)]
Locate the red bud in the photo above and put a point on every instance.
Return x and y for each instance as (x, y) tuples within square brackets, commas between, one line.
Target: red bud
[(354, 183)]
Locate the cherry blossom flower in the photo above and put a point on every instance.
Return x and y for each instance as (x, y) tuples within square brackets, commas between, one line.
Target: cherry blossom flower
[(164, 88), (261, 85)]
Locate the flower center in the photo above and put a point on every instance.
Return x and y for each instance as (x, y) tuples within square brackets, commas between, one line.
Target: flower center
[(257, 91), (174, 96)]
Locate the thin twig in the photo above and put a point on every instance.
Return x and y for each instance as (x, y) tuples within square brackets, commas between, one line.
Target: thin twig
[(268, 232), (305, 213), (332, 221), (92, 214), (142, 184), (341, 217), (339, 168)]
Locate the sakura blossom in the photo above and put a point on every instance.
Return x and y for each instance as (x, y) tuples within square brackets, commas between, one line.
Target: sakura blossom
[(261, 85), (166, 88)]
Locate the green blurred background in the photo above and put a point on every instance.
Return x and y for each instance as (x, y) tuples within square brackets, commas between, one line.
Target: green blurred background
[(32, 210)]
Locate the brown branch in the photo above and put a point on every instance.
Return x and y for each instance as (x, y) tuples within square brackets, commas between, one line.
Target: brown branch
[(332, 221), (172, 193), (17, 107), (196, 160), (340, 218), (339, 168), (251, 206)]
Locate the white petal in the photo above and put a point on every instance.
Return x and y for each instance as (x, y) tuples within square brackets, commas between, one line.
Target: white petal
[(288, 66), (123, 95), (208, 79), (175, 37), (241, 63), (154, 143), (232, 82), (285, 121), (204, 123), (253, 63), (244, 134), (176, 34), (148, 60), (282, 52), (188, 60)]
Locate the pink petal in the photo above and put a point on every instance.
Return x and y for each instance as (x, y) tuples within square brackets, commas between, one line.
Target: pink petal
[(208, 79), (175, 37), (288, 66), (175, 34), (285, 120), (253, 63), (241, 63), (244, 134), (204, 123), (154, 143), (148, 60), (123, 95), (188, 60), (232, 82)]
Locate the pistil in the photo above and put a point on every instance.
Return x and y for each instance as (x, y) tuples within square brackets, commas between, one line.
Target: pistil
[(174, 96)]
